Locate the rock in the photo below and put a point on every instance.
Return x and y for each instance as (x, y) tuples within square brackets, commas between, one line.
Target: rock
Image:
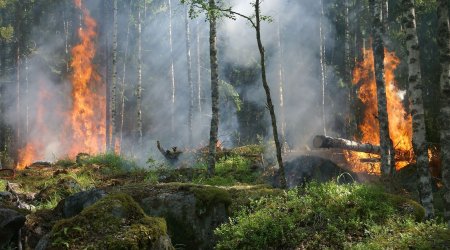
[(306, 168), (10, 223), (74, 204), (192, 212), (114, 222), (43, 242), (6, 196)]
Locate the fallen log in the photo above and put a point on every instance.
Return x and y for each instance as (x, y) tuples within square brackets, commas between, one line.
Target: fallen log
[(322, 141)]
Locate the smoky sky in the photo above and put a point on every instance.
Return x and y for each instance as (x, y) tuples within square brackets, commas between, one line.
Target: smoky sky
[(296, 22)]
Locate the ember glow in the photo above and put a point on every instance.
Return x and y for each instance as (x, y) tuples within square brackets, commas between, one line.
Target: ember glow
[(83, 129), (400, 122)]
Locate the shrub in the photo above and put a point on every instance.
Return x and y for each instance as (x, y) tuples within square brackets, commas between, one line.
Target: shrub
[(318, 216)]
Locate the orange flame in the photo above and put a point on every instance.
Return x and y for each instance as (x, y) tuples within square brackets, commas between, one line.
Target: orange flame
[(87, 117), (400, 122), (84, 126), (30, 152)]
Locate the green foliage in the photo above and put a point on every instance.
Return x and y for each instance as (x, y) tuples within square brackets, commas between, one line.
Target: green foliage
[(316, 217), (2, 185), (65, 162), (227, 90), (113, 162), (406, 234), (7, 33)]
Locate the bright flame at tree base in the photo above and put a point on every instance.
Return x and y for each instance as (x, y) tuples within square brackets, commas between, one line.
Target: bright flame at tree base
[(84, 126), (400, 122)]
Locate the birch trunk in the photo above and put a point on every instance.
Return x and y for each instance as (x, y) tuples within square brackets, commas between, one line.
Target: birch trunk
[(268, 97), (322, 65), (107, 77), (443, 39), (387, 153), (139, 77), (416, 107), (284, 144), (199, 71), (172, 70), (124, 75), (114, 79), (189, 71), (214, 89)]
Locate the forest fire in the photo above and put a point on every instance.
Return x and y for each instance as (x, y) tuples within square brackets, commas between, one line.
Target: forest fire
[(87, 128), (400, 122), (84, 124)]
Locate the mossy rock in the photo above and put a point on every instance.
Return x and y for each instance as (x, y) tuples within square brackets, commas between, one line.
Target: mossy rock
[(114, 222), (193, 211), (407, 206)]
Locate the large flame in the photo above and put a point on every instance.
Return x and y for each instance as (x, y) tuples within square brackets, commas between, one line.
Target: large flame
[(84, 126), (32, 151), (400, 122), (87, 117)]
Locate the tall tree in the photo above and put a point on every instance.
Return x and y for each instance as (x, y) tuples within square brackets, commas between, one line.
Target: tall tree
[(172, 70), (416, 108), (189, 74), (256, 24), (112, 104), (443, 40), (322, 64), (214, 128), (387, 152), (199, 71), (284, 144), (139, 75)]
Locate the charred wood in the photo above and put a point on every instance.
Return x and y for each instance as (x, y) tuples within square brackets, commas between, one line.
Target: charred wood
[(322, 141)]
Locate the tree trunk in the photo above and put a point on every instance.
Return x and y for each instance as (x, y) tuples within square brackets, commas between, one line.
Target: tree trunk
[(268, 97), (139, 77), (322, 141), (199, 71), (172, 71), (107, 77), (416, 108), (387, 153), (214, 89), (124, 75), (385, 14), (114, 80), (189, 71), (443, 40), (284, 144), (322, 65)]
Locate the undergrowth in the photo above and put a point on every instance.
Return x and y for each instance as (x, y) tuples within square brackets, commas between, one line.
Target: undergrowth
[(327, 216)]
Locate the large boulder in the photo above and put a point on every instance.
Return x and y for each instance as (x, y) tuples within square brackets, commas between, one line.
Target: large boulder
[(10, 223), (114, 222), (75, 203), (192, 212), (306, 168)]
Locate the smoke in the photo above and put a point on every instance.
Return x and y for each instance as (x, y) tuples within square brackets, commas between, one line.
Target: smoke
[(297, 22)]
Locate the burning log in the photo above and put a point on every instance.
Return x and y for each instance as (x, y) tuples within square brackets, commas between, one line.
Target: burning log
[(171, 155), (322, 141)]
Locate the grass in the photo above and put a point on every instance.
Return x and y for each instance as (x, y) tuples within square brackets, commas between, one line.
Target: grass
[(329, 216)]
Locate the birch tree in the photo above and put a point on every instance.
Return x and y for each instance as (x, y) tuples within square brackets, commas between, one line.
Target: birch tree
[(416, 108), (114, 79), (387, 152), (443, 40), (139, 76), (189, 74)]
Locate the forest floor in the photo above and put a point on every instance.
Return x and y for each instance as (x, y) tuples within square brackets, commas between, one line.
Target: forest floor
[(164, 207)]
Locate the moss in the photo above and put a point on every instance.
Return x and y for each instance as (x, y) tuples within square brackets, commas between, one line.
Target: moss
[(114, 222), (208, 196), (407, 206), (242, 196)]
